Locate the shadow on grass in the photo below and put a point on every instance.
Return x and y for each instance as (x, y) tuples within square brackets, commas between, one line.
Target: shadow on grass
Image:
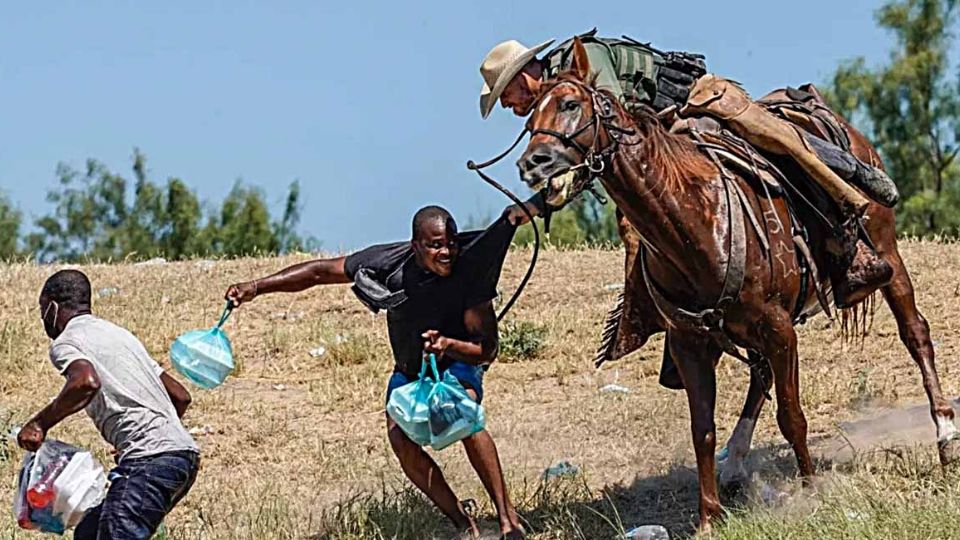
[(558, 508)]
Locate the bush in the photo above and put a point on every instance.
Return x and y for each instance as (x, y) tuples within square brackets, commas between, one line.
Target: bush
[(521, 341)]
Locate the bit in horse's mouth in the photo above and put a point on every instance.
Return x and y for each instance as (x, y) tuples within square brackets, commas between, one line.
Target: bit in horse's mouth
[(559, 185), (562, 187)]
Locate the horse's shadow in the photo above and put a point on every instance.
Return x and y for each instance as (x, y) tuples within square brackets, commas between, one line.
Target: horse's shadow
[(568, 506), (670, 499)]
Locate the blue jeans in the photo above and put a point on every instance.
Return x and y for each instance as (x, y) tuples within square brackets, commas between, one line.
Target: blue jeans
[(471, 377), (142, 492)]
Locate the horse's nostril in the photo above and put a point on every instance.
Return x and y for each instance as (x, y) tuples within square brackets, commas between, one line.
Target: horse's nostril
[(540, 159)]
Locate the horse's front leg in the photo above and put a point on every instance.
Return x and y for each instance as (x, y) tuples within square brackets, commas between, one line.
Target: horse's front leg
[(696, 357)]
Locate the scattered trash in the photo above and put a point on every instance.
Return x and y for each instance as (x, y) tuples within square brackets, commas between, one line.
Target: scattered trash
[(318, 352), (14, 431), (279, 387), (935, 342), (613, 287), (470, 507), (772, 496), (205, 430), (648, 532), (165, 300), (340, 338), (152, 262), (561, 468), (107, 292), (288, 315), (855, 515), (615, 389), (205, 264)]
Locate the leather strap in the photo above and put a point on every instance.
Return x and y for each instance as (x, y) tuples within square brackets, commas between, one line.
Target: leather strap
[(711, 319)]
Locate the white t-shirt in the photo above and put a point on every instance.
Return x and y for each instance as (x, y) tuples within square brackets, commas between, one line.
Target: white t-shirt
[(132, 409)]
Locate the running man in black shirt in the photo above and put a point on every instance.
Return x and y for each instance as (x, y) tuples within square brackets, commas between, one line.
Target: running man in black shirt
[(438, 291)]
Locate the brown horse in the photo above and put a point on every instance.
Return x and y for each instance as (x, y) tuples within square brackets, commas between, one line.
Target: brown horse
[(689, 216)]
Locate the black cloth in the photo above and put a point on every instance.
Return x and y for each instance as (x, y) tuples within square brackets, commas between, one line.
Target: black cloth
[(433, 302)]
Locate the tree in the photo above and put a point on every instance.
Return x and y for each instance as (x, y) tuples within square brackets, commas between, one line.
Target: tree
[(242, 226), (286, 228), (179, 236), (10, 219), (93, 219), (89, 214), (910, 109)]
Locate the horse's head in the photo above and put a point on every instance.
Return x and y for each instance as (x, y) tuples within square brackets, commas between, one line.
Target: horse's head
[(566, 133)]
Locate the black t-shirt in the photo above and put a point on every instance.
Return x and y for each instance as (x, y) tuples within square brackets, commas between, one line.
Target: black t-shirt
[(434, 302)]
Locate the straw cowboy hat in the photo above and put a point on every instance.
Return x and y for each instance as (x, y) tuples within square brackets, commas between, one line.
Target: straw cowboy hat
[(501, 65)]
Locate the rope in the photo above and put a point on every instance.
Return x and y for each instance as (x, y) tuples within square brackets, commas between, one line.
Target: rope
[(536, 231)]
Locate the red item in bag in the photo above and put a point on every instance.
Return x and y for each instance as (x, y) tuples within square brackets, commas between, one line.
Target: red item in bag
[(42, 494)]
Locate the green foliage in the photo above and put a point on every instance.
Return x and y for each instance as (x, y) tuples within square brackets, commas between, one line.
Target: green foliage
[(94, 218), (522, 340), (583, 222), (910, 109), (10, 219)]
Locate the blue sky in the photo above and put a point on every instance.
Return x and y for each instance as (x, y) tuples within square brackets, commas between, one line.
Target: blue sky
[(372, 106)]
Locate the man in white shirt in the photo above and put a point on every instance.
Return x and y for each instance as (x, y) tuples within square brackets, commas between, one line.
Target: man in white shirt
[(135, 405)]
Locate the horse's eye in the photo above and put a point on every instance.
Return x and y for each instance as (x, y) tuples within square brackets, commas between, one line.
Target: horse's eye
[(571, 105)]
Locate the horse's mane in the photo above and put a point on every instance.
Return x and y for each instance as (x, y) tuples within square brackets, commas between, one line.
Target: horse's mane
[(672, 159)]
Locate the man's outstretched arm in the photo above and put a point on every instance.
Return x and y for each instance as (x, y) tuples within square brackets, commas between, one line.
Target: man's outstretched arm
[(295, 278), (82, 385)]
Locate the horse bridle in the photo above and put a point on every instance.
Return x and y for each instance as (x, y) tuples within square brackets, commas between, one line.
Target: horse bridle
[(594, 162), (594, 158)]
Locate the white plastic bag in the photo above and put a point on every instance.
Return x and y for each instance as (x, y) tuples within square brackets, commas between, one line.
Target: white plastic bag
[(57, 486)]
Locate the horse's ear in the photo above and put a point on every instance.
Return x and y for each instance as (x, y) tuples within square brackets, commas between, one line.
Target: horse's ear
[(580, 65)]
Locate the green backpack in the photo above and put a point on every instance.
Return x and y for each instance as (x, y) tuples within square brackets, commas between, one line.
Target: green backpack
[(646, 75)]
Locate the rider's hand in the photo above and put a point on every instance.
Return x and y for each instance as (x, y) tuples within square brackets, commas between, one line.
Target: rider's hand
[(241, 293), (31, 436)]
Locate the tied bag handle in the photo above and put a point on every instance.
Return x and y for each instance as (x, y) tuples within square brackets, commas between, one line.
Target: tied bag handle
[(226, 315), (431, 362)]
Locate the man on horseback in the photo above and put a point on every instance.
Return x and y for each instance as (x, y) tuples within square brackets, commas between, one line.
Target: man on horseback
[(639, 75)]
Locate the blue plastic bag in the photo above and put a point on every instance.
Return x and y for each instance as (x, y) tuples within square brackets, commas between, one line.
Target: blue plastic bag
[(409, 408), (205, 357), (435, 410), (454, 415)]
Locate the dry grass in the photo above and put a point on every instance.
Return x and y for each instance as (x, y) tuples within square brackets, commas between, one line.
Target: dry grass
[(298, 447)]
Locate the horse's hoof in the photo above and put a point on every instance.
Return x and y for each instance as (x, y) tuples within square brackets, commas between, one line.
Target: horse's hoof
[(949, 451), (735, 487)]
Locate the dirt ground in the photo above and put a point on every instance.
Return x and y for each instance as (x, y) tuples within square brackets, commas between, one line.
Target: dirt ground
[(292, 436)]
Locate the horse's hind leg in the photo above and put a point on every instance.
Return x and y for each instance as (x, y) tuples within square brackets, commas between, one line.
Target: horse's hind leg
[(781, 349), (733, 473), (915, 334), (696, 358)]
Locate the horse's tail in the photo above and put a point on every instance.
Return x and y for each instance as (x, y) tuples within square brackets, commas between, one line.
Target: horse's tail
[(857, 320), (608, 340)]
